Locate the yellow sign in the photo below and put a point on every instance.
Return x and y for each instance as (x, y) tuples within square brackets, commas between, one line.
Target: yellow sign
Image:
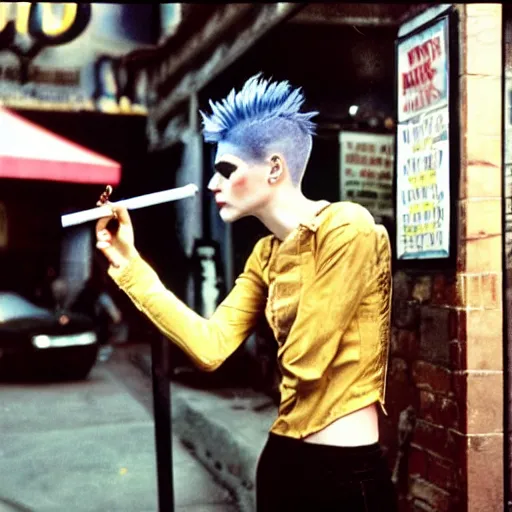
[(70, 56), (52, 20)]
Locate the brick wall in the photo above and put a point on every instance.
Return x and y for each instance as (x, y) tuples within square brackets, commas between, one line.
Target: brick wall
[(447, 343), (508, 138), (507, 14), (424, 358)]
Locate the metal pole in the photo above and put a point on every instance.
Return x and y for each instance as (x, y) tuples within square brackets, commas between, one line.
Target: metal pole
[(163, 423), (160, 370)]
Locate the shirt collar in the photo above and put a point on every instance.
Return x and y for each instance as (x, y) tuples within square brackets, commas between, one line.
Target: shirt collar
[(315, 221)]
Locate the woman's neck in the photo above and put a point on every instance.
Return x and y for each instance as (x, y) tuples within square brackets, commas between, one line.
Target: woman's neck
[(287, 210)]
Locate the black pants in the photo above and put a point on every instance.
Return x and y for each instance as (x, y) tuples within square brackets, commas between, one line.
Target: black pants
[(296, 476)]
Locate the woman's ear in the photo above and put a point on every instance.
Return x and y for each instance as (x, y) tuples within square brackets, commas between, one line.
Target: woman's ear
[(276, 169)]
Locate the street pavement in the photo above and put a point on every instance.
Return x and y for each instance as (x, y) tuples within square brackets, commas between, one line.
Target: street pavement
[(226, 427), (89, 446)]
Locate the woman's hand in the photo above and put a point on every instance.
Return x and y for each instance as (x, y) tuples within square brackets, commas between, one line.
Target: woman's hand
[(117, 244)]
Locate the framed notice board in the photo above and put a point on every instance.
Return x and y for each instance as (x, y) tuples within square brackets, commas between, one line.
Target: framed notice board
[(427, 150)]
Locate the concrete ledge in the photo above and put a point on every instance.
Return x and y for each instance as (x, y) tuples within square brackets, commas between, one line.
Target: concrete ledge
[(8, 505), (226, 430)]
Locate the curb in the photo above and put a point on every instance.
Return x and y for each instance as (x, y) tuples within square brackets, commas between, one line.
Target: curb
[(224, 429), (8, 505)]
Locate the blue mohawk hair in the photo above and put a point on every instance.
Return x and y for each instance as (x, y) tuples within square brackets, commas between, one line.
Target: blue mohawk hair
[(259, 100), (263, 115)]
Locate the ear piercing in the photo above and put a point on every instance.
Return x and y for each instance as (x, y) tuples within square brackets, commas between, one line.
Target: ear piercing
[(275, 173)]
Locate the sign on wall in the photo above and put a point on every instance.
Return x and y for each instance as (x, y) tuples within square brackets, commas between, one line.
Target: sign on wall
[(423, 71), (423, 195), (69, 56), (423, 186), (367, 170)]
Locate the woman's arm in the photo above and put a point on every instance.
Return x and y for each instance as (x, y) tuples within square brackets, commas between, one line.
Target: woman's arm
[(207, 342)]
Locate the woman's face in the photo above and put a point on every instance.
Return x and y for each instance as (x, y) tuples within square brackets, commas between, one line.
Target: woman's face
[(240, 188)]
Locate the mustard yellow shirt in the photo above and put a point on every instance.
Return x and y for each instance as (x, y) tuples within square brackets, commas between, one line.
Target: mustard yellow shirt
[(326, 293)]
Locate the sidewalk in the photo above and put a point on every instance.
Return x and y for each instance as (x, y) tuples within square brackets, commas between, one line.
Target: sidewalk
[(7, 505), (89, 446), (225, 428)]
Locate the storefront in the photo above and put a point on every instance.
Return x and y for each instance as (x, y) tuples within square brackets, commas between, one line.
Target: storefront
[(429, 78), (75, 70), (42, 175), (426, 80)]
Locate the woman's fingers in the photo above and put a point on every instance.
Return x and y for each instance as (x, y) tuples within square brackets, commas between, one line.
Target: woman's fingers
[(105, 196), (103, 222), (104, 235), (110, 253), (103, 239), (106, 231), (102, 245), (122, 215), (101, 225)]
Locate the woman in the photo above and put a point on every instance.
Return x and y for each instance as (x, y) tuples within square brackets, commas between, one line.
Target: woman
[(323, 281)]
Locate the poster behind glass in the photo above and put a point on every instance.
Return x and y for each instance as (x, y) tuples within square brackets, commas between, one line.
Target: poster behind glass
[(423, 145), (366, 171)]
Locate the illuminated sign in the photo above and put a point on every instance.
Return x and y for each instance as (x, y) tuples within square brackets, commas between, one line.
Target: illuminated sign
[(69, 56), (25, 28)]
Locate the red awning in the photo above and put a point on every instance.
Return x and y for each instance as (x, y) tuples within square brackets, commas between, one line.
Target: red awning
[(29, 151)]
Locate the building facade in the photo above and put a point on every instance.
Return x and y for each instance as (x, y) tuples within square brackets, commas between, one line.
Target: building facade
[(426, 86), (446, 432)]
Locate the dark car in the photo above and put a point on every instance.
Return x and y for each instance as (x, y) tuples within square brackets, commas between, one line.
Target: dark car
[(39, 342)]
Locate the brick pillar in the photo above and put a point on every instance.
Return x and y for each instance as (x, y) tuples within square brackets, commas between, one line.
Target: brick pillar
[(445, 379), (479, 380)]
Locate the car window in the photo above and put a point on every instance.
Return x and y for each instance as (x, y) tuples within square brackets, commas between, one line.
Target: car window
[(14, 307)]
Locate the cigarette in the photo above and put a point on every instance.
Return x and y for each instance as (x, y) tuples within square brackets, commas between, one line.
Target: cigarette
[(173, 194)]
